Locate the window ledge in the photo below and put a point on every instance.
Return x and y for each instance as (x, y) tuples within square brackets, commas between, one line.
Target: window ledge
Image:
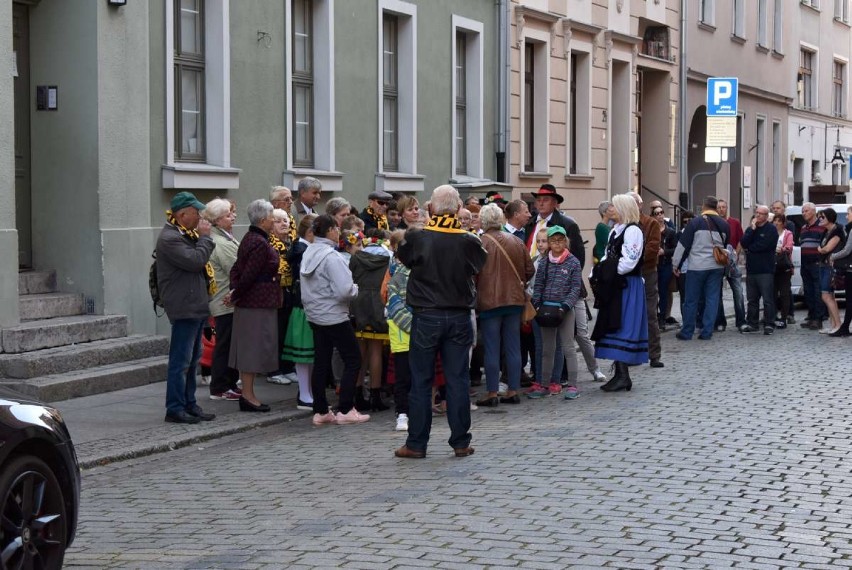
[(534, 175), (778, 54), (706, 27), (400, 182), (762, 48), (810, 6), (842, 22), (469, 182), (200, 176), (738, 39), (331, 180), (579, 177)]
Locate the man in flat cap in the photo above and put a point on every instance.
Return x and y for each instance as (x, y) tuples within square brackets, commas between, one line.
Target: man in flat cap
[(375, 215), (185, 282)]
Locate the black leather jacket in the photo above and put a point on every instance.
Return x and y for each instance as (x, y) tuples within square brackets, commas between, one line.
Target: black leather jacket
[(442, 263)]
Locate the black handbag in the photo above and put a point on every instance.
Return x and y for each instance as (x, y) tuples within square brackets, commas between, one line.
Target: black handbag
[(783, 263), (550, 314)]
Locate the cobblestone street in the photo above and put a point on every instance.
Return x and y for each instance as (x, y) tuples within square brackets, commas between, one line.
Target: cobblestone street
[(734, 454)]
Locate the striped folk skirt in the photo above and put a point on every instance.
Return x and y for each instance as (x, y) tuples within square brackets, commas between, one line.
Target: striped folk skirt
[(629, 343)]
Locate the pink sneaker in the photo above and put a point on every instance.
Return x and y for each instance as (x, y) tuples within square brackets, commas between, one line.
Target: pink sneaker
[(353, 416), (326, 418), (555, 389), (535, 387)]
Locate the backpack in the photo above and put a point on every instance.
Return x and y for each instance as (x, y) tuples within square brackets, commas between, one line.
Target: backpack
[(154, 286)]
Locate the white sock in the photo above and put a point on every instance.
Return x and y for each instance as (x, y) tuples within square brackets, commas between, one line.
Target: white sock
[(303, 373)]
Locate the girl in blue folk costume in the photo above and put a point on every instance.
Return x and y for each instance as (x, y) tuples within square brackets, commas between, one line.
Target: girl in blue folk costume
[(621, 329)]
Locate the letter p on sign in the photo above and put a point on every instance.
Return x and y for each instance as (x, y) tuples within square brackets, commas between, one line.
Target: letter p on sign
[(722, 96)]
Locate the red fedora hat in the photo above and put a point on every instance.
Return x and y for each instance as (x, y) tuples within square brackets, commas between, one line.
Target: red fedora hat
[(548, 190)]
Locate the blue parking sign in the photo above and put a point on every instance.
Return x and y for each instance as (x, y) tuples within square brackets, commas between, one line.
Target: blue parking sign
[(722, 96)]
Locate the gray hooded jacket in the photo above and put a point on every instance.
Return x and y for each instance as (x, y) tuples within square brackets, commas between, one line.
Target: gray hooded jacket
[(327, 286)]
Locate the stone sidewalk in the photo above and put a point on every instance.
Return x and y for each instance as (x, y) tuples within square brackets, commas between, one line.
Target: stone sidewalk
[(129, 423)]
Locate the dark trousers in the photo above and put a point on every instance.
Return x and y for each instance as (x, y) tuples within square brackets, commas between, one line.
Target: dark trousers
[(847, 318), (810, 288), (783, 296), (402, 381), (223, 377), (760, 285), (664, 277), (284, 366), (326, 338), (652, 301), (450, 334)]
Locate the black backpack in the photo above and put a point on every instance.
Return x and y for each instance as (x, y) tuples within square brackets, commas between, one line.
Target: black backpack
[(154, 286)]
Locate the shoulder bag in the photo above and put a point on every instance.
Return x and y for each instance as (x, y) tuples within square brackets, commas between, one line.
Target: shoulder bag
[(720, 254), (529, 312), (550, 313)]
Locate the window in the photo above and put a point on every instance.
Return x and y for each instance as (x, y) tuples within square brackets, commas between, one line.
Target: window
[(579, 112), (838, 89), (739, 19), (390, 93), (302, 83), (811, 3), (189, 82), (397, 97), (760, 162), (467, 143), (529, 107), (761, 23), (707, 12), (778, 27), (777, 181), (804, 82), (841, 10)]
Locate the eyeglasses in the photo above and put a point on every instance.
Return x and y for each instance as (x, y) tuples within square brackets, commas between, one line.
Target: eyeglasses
[(657, 212), (381, 203), (820, 217)]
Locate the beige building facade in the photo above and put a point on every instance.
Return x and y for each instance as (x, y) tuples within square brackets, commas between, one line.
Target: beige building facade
[(593, 100)]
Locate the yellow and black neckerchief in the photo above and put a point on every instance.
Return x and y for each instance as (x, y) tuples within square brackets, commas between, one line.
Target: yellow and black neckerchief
[(380, 219), (447, 223), (284, 271), (293, 232), (194, 235)]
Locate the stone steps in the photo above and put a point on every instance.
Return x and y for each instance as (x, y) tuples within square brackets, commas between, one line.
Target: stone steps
[(61, 331), (34, 282), (50, 305), (95, 380), (61, 359)]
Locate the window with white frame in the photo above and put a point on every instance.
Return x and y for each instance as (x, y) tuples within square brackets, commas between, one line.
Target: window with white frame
[(198, 96), (838, 88), (778, 27), (805, 87), (841, 10), (761, 23), (738, 29), (579, 113), (760, 162), (707, 12), (397, 87), (468, 64), (189, 70), (777, 180), (309, 53), (534, 119), (811, 3)]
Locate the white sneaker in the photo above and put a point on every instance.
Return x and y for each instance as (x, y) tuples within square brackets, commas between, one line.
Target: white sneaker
[(279, 379), (827, 330), (353, 416), (599, 376), (291, 376), (473, 407), (503, 388), (205, 380), (402, 422)]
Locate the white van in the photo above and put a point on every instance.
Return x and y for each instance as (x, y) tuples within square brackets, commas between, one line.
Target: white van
[(794, 214)]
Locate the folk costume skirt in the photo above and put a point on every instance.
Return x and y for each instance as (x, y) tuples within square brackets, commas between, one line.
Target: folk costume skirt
[(629, 344), (299, 340), (254, 340)]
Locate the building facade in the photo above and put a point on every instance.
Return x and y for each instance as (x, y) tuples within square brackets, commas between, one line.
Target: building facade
[(117, 107)]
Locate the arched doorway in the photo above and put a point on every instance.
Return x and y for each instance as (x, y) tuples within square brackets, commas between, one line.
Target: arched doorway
[(712, 185)]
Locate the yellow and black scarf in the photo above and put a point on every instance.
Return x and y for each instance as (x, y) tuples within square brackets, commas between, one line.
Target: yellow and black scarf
[(194, 235), (283, 266), (446, 224), (293, 232), (380, 219)]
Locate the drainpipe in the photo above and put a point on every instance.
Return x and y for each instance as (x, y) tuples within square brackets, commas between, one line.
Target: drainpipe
[(503, 63), (684, 134)]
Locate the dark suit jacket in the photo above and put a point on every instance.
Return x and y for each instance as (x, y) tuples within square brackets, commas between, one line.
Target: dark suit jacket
[(575, 240)]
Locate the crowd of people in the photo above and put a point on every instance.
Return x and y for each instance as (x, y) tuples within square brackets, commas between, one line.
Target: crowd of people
[(417, 301)]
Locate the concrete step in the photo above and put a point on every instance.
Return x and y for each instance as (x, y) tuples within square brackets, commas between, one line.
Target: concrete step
[(63, 359), (97, 380), (50, 305), (32, 282), (48, 333)]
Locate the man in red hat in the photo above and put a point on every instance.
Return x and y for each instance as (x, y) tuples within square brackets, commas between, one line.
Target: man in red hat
[(546, 201)]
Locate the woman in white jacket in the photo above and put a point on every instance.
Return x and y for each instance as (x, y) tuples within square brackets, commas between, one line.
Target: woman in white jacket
[(327, 289)]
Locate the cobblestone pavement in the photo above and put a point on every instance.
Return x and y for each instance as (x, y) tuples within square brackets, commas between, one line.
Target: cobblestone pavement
[(734, 454)]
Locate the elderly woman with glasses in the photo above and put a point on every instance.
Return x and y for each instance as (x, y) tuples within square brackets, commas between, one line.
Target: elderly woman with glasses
[(256, 295)]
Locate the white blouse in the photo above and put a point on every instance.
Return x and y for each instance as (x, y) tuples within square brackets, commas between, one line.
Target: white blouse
[(631, 250)]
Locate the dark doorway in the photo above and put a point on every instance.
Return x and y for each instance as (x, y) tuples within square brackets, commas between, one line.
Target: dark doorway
[(23, 201)]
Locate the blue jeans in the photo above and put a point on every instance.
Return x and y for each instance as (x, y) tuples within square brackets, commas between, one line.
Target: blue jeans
[(450, 334), (184, 352), (701, 285), (504, 332), (735, 281), (811, 289), (558, 358)]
